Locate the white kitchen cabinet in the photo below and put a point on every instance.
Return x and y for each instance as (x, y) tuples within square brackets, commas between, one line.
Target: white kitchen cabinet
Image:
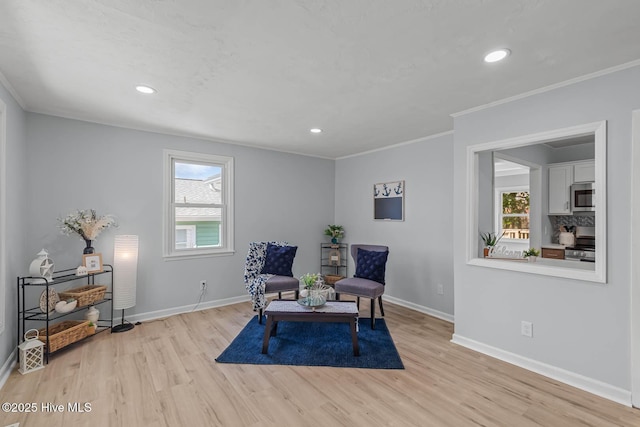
[(584, 172), (560, 180), (561, 176)]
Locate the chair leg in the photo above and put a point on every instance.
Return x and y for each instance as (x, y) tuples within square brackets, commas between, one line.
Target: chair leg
[(279, 295), (260, 317), (358, 303), (297, 294), (380, 304), (337, 296), (373, 313)]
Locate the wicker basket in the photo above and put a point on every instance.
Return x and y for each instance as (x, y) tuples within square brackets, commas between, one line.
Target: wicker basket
[(86, 295), (64, 333), (331, 279)]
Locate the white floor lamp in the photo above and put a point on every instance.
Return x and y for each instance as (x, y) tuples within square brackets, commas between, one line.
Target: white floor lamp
[(125, 274)]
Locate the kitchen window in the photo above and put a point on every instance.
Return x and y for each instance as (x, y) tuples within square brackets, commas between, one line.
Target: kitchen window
[(512, 214)]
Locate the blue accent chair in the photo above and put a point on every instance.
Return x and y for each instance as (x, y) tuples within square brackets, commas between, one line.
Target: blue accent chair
[(361, 284), (259, 284)]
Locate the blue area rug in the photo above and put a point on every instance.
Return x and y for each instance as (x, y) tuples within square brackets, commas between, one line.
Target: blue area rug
[(315, 344)]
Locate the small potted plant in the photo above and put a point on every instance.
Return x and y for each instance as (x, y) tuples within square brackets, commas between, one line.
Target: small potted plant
[(315, 292), (490, 240), (335, 232), (531, 254), (309, 280)]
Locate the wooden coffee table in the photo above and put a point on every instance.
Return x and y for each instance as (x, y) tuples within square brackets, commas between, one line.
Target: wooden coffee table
[(291, 311)]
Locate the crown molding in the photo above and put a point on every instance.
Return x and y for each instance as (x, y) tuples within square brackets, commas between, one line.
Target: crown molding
[(7, 85), (389, 147), (549, 88)]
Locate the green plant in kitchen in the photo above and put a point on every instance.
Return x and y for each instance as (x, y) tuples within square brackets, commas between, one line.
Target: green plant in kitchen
[(531, 252), (490, 238)]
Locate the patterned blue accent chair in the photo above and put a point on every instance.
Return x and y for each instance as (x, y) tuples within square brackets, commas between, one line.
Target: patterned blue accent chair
[(368, 280), (268, 269)]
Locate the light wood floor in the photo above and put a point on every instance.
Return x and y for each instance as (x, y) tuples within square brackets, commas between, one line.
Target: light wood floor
[(163, 373)]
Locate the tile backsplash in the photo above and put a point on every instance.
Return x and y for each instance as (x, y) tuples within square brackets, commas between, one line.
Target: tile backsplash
[(586, 220)]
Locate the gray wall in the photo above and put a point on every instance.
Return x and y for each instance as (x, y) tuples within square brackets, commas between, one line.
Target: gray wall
[(486, 196), (16, 174), (512, 181), (580, 327), (80, 165), (420, 247), (572, 154)]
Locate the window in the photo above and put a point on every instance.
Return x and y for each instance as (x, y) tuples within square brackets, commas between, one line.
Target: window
[(481, 187), (513, 214), (198, 205)]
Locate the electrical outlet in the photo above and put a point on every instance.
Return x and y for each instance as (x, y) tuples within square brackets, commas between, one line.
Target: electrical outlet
[(203, 285), (526, 329), (440, 289)]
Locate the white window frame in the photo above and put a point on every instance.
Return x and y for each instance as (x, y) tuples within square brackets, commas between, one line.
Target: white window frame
[(472, 241), (226, 205), (498, 210)]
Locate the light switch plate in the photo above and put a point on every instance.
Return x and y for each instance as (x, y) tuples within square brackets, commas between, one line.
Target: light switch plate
[(526, 329)]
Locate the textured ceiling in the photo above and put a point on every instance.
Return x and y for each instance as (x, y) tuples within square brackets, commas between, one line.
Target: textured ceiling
[(371, 73)]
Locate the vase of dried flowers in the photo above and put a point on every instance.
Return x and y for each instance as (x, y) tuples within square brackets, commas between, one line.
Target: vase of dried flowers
[(86, 224), (89, 249)]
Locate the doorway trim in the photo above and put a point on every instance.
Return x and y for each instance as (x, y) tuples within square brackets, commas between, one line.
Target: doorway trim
[(635, 256), (3, 214)]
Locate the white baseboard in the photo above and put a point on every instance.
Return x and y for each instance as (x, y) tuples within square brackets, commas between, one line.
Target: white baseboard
[(159, 314), (6, 369), (573, 379), (152, 315), (422, 309)]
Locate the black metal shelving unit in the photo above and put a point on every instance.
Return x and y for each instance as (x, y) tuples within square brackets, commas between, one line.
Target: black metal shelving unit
[(328, 263), (35, 316)]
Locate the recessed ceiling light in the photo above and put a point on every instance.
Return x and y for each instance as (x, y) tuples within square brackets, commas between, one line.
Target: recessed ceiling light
[(497, 55), (145, 89), (315, 130)]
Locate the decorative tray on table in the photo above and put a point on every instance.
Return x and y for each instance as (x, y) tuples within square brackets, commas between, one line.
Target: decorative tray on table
[(312, 301)]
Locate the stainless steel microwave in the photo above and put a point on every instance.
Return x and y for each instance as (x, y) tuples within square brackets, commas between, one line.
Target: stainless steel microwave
[(583, 197)]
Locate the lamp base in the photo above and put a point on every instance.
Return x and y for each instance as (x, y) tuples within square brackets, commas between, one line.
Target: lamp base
[(123, 327)]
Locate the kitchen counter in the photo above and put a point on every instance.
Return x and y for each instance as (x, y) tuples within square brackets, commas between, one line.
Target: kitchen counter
[(553, 246), (553, 251)]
